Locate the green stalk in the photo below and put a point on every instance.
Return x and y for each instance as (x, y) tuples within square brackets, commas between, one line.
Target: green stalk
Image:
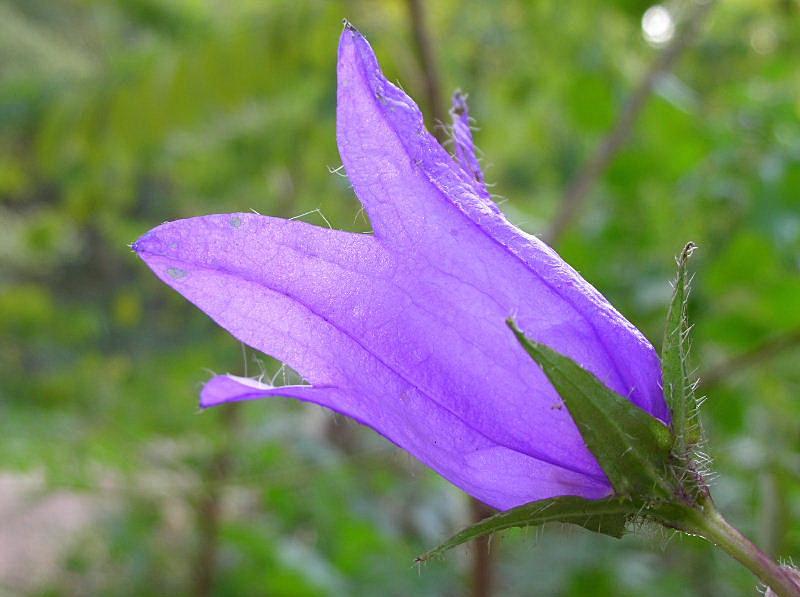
[(710, 525)]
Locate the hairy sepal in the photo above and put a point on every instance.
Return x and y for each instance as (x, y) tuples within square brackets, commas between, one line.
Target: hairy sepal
[(678, 388), (608, 516), (631, 446)]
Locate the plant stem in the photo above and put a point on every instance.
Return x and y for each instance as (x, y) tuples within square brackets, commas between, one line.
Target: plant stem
[(583, 182), (714, 528), (427, 60), (482, 557), (209, 507), (760, 353)]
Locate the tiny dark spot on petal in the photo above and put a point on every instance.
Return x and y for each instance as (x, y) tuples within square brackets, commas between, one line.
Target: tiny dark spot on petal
[(177, 273), (235, 221)]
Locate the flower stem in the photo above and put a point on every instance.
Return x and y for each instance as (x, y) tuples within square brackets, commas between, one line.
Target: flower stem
[(714, 528)]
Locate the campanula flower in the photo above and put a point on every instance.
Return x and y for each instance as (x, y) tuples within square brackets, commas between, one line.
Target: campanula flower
[(404, 329)]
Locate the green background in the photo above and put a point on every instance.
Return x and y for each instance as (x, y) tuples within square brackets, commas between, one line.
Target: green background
[(116, 116)]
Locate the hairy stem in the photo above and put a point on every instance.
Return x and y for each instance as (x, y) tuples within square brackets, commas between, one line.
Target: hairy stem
[(714, 528)]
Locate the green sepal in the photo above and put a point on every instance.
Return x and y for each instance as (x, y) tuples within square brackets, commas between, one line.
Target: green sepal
[(678, 389), (608, 516), (631, 446)]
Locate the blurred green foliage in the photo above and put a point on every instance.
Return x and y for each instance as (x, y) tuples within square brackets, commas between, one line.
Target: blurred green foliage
[(116, 116)]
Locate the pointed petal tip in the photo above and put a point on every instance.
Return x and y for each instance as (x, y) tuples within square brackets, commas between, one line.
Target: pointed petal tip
[(352, 38), (357, 62), (349, 32), (459, 102), (138, 245), (149, 242)]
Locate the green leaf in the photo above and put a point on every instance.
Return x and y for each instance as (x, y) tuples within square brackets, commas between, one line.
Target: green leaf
[(608, 516), (631, 446), (678, 390)]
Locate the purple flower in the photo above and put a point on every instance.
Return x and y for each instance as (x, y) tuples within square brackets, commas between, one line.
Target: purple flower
[(404, 330)]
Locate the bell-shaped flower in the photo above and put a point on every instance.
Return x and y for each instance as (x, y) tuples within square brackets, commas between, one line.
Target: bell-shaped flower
[(404, 330)]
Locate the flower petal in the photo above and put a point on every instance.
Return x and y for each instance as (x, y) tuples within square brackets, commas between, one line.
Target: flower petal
[(271, 283), (223, 389), (496, 475), (464, 145)]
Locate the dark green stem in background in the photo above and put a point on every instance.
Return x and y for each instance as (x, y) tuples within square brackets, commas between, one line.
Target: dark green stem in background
[(583, 182), (760, 353), (427, 60), (209, 506), (710, 525)]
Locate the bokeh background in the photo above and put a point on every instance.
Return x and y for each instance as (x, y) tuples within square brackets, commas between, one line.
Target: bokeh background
[(680, 122)]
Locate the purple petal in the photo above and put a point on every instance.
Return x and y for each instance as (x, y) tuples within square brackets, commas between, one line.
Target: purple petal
[(222, 389), (464, 145), (269, 282)]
